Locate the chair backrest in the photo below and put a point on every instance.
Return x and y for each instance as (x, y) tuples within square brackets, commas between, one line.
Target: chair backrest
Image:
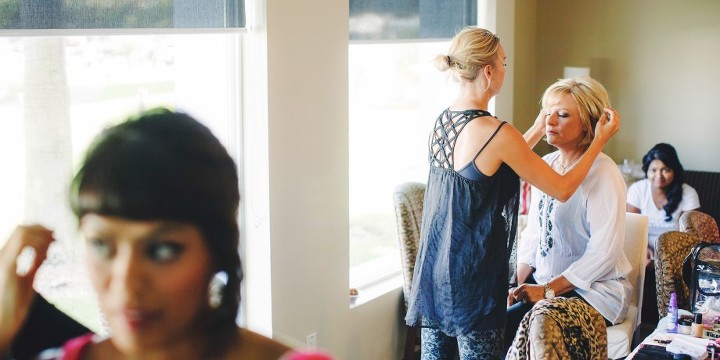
[(700, 224), (672, 248), (636, 240), (620, 336), (707, 185), (408, 199)]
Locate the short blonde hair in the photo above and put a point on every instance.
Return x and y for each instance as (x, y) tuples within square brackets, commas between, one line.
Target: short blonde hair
[(591, 99), (470, 50)]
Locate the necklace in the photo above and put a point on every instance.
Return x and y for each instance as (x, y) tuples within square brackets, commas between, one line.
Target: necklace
[(571, 164)]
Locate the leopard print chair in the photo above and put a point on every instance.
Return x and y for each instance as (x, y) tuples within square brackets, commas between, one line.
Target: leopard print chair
[(672, 248), (700, 224), (408, 199), (560, 328)]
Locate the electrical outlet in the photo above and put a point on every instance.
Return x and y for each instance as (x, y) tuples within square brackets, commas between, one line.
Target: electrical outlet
[(311, 341)]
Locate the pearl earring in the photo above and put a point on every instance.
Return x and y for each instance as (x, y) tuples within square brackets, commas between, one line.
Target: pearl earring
[(215, 289)]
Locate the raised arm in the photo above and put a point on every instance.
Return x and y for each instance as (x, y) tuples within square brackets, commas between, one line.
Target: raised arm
[(16, 285), (514, 151)]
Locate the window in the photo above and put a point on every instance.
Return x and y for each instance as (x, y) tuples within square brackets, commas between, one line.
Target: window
[(58, 92), (395, 96)]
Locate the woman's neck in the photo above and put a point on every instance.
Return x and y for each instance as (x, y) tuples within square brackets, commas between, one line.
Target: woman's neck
[(568, 158), (471, 96), (658, 193)]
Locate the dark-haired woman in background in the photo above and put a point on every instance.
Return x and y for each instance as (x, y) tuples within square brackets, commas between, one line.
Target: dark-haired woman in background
[(663, 197)]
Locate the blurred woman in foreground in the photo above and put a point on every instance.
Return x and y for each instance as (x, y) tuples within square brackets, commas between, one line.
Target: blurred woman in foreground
[(157, 200)]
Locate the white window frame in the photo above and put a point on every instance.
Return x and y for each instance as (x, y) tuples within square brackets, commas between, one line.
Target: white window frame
[(234, 136)]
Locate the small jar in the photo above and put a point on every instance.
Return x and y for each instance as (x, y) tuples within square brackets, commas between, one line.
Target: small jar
[(684, 326)]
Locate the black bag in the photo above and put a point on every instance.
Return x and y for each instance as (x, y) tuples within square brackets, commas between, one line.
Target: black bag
[(701, 273)]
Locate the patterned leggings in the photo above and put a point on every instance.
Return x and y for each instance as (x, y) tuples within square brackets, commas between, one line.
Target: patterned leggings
[(480, 344)]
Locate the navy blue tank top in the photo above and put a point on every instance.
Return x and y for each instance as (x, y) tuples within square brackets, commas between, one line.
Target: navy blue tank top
[(469, 222)]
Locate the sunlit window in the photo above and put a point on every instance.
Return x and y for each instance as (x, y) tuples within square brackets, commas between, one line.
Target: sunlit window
[(395, 95), (58, 92)]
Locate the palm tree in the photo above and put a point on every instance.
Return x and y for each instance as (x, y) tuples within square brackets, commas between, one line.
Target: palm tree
[(48, 145)]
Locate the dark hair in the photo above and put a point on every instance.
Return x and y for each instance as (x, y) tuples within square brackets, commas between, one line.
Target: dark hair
[(667, 154), (166, 165)]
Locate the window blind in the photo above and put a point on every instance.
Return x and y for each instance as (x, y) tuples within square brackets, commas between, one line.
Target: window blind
[(410, 19), (126, 14)]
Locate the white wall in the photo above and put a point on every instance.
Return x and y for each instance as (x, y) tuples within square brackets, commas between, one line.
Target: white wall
[(657, 58), (505, 29), (306, 219)]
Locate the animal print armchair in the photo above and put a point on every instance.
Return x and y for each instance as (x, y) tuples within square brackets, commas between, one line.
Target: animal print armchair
[(672, 248)]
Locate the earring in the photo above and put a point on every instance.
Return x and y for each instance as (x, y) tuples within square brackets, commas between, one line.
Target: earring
[(215, 289)]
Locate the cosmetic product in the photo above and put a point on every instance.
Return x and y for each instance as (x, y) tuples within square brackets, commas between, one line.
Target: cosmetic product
[(672, 325), (684, 325), (696, 329)]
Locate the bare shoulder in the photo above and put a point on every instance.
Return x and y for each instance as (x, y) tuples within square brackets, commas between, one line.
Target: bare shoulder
[(507, 135), (484, 127), (486, 123), (251, 345)]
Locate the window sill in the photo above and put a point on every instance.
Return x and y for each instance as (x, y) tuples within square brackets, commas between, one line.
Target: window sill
[(370, 292)]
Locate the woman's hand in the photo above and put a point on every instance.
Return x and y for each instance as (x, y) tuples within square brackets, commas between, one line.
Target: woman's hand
[(539, 125), (608, 125), (511, 297), (530, 293), (537, 130), (16, 282)]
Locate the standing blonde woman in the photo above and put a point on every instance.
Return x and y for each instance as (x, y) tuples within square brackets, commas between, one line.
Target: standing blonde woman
[(460, 284)]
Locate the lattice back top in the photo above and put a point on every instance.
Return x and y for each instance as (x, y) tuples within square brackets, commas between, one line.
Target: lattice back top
[(460, 280)]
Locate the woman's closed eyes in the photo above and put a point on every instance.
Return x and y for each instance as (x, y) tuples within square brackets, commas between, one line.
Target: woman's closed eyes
[(560, 114)]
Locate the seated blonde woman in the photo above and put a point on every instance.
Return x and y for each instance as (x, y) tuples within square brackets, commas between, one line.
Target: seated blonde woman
[(574, 248)]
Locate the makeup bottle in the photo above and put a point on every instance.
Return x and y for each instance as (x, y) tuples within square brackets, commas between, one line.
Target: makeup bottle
[(696, 329), (672, 324)]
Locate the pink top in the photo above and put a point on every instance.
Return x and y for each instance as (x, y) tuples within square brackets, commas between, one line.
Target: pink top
[(307, 356), (73, 348)]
